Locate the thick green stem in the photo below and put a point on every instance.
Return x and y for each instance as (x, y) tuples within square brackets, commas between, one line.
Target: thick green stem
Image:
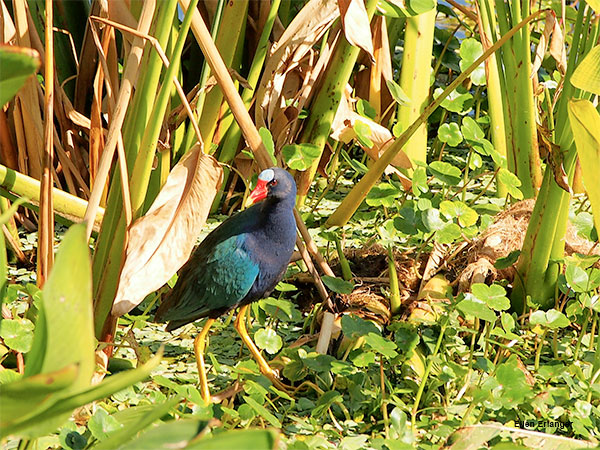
[(544, 241), (414, 79), (346, 272), (395, 299), (67, 205), (496, 109)]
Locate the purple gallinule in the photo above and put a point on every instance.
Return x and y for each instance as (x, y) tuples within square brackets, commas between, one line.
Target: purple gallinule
[(241, 261)]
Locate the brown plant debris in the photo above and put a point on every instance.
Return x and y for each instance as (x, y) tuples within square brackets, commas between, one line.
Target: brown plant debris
[(503, 236)]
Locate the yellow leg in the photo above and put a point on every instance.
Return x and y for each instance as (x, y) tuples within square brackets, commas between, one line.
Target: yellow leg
[(199, 347), (265, 368)]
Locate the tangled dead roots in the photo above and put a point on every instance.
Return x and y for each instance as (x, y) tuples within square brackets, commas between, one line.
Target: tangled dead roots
[(505, 235)]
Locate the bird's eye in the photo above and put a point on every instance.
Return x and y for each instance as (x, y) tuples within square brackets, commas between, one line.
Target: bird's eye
[(273, 183)]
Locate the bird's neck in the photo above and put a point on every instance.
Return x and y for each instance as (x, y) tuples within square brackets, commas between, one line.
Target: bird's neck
[(278, 214)]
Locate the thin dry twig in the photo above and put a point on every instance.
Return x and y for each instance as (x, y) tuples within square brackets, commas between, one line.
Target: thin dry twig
[(129, 78), (46, 223)]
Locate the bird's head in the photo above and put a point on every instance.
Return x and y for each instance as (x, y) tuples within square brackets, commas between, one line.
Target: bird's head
[(275, 183)]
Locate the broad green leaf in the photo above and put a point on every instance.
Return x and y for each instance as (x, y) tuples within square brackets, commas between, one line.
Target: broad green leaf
[(338, 285), (383, 194), (267, 339), (72, 440), (473, 306), (398, 420), (285, 287), (300, 156), (458, 210), (577, 278), (16, 65), (24, 396), (406, 221), (238, 439), (471, 130), (585, 122), (494, 296), (64, 332), (102, 424), (449, 233), (556, 319), (587, 73), (167, 435), (363, 133), (263, 412), (17, 334), (65, 335), (397, 93), (538, 318), (64, 403), (511, 183), (267, 140), (319, 363), (470, 50), (381, 345), (354, 326), (515, 389), (445, 172), (280, 308), (419, 181), (354, 442), (476, 162), (584, 223), (458, 101), (450, 134), (365, 109), (508, 322), (476, 436), (9, 376), (508, 260), (342, 368), (432, 220), (121, 435), (552, 319), (362, 358)]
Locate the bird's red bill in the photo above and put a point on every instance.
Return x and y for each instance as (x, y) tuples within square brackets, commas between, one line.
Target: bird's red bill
[(260, 191)]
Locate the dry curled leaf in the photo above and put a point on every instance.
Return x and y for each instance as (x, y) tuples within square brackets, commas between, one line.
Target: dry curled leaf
[(298, 39), (161, 241), (343, 130), (356, 25), (553, 35)]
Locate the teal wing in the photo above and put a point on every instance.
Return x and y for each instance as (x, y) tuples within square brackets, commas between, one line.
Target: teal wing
[(210, 283)]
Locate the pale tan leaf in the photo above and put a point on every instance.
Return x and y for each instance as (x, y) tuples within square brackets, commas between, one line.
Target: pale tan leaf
[(162, 241), (543, 44), (557, 48), (381, 43), (356, 24), (7, 27), (300, 36), (343, 130), (118, 12), (553, 35)]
